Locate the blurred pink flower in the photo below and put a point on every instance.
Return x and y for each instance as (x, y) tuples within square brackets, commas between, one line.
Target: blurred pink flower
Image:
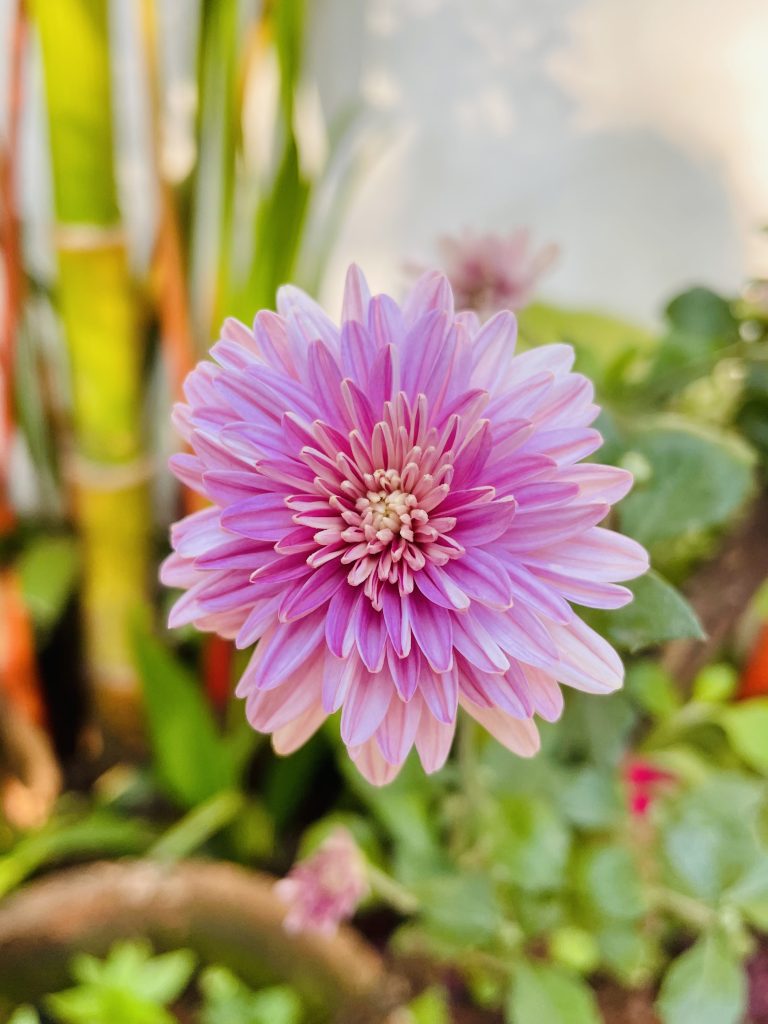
[(643, 781), (326, 888), (400, 518), (492, 272)]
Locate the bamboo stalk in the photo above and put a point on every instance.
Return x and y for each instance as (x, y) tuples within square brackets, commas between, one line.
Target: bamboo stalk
[(108, 472)]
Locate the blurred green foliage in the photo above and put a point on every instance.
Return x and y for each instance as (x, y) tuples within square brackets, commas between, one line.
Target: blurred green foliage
[(132, 986)]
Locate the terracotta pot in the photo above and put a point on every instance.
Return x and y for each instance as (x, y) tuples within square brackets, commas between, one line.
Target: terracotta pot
[(224, 913)]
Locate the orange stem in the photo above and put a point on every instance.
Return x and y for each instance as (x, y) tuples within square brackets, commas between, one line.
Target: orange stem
[(10, 236)]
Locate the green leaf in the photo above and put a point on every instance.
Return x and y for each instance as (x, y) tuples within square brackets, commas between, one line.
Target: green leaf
[(228, 1001), (24, 1015), (100, 832), (201, 823), (715, 683), (658, 613), (48, 568), (595, 730), (652, 688), (608, 883), (750, 895), (698, 480), (88, 1005), (703, 312), (431, 1007), (709, 840), (531, 843), (746, 725), (590, 798), (191, 758), (606, 347), (541, 993), (459, 907), (706, 985), (629, 952), (575, 948), (130, 967)]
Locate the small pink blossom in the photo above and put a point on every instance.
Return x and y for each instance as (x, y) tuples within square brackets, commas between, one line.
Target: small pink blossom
[(492, 272), (326, 888), (643, 781)]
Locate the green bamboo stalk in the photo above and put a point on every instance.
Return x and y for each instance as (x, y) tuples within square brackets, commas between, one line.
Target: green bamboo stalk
[(96, 301)]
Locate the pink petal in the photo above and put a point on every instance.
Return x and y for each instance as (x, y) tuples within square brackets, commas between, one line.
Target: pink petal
[(477, 645), (433, 741), (396, 620), (341, 616), (433, 631), (492, 351), (371, 636), (556, 359), (356, 296), (398, 728), (483, 525), (587, 661), (426, 357), (315, 591), (441, 693), (439, 587), (546, 694), (371, 763), (482, 578), (598, 554), (406, 672), (268, 710), (431, 292), (599, 483), (282, 652), (262, 517), (262, 617), (357, 350), (306, 318), (295, 734), (365, 704), (519, 735), (588, 593), (385, 322)]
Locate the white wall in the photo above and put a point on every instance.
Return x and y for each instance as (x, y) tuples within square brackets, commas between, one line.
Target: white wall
[(633, 134)]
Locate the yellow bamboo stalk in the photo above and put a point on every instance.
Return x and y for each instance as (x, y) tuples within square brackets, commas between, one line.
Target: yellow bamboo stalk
[(96, 299)]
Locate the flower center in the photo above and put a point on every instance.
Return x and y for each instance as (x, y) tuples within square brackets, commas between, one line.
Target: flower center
[(388, 511), (379, 504)]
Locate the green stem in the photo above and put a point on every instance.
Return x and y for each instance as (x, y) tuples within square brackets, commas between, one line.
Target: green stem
[(392, 892), (472, 790), (688, 909), (197, 827)]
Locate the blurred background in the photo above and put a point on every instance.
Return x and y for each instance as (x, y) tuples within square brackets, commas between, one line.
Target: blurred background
[(598, 166)]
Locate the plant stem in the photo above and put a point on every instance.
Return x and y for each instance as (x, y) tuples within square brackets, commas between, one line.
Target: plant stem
[(392, 892), (472, 790), (685, 907), (197, 827), (109, 471)]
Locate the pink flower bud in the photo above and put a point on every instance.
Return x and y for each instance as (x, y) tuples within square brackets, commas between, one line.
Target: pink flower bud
[(326, 888)]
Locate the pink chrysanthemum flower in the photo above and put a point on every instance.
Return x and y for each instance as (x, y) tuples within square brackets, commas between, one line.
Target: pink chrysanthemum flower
[(326, 888), (399, 518), (492, 272)]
